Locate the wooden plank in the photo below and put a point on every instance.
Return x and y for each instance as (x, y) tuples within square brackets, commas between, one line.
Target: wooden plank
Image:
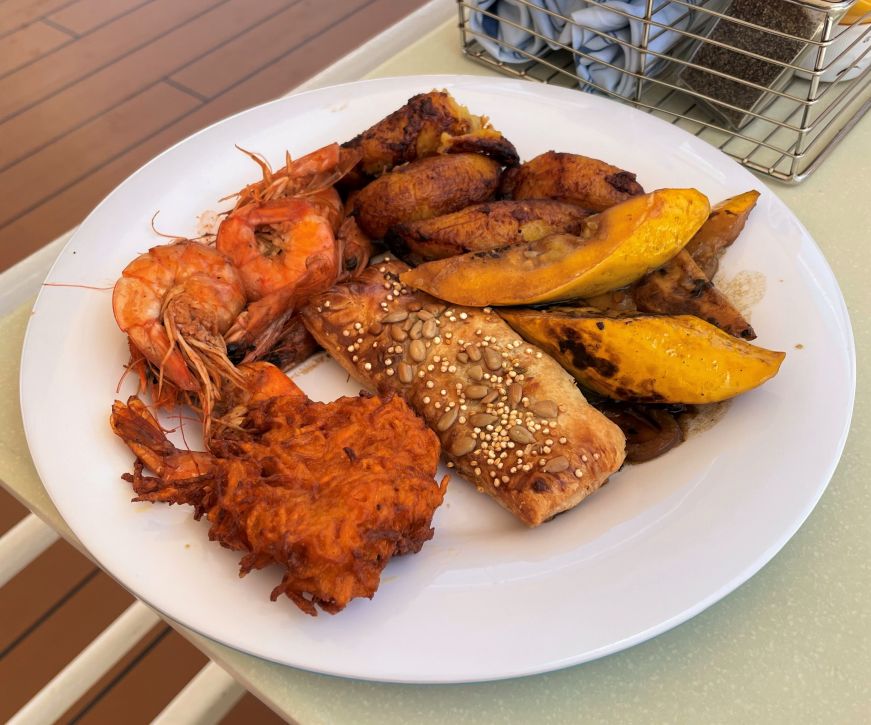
[(51, 646), (50, 119), (30, 594), (126, 667), (166, 668), (29, 44), (97, 50), (87, 148), (83, 16), (11, 512), (67, 208), (15, 14), (319, 51), (234, 61)]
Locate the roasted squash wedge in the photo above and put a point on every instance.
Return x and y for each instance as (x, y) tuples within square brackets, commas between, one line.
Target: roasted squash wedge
[(617, 247), (647, 358), (723, 226), (680, 287)]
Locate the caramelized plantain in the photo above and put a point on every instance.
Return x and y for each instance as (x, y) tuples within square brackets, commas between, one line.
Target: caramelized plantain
[(415, 131), (680, 287), (647, 358), (617, 247), (484, 226), (589, 183), (485, 141), (423, 189)]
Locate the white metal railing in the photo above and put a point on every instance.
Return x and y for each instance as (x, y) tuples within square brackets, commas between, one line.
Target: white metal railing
[(22, 544), (88, 667), (204, 700)]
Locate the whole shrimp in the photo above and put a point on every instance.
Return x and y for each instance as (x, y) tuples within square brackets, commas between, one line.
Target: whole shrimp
[(288, 241), (309, 175), (284, 250), (175, 302)]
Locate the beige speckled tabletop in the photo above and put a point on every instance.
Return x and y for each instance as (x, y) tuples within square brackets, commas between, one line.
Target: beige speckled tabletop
[(791, 645)]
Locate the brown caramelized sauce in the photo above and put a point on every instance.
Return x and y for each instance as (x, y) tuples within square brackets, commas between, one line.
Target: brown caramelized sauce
[(650, 430)]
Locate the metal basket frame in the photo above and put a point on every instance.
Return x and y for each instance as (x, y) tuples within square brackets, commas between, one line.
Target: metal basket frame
[(791, 131)]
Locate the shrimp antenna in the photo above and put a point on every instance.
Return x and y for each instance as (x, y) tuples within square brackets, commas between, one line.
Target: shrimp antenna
[(261, 161), (174, 237)]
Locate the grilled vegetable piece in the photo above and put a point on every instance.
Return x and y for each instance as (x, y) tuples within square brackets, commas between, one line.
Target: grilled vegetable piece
[(510, 419), (426, 188), (616, 248), (725, 223), (647, 358), (589, 183), (485, 141), (484, 226), (650, 430), (414, 131), (618, 300), (680, 287)]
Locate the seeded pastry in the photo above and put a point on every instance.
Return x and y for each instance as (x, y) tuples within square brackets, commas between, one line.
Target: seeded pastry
[(510, 419)]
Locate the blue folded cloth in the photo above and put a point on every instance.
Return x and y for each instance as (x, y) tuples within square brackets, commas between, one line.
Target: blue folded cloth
[(539, 30)]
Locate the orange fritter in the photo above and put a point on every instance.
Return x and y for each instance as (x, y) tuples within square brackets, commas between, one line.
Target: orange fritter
[(328, 491)]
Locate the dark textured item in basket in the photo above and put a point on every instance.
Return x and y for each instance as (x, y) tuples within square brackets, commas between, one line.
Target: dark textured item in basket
[(779, 15)]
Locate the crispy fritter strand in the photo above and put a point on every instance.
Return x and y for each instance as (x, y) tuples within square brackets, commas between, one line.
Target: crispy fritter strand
[(328, 491)]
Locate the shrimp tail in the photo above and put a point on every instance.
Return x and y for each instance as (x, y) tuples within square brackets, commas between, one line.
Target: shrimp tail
[(182, 476), (258, 328)]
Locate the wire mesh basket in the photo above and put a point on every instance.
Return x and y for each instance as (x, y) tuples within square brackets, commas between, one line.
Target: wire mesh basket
[(773, 83)]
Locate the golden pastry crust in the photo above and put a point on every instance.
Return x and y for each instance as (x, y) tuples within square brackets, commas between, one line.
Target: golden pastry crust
[(510, 419)]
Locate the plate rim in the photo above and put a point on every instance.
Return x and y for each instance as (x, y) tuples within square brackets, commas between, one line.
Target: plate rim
[(760, 560)]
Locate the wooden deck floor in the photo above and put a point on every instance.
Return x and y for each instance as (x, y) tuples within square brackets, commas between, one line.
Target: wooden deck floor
[(89, 91)]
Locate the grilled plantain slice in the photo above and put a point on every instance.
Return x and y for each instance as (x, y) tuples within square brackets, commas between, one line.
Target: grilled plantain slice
[(416, 130), (680, 287), (484, 226), (426, 188), (617, 247), (485, 141), (589, 183), (725, 223), (647, 358)]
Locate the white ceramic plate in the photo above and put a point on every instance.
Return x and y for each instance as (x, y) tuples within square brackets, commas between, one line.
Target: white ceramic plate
[(486, 598)]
